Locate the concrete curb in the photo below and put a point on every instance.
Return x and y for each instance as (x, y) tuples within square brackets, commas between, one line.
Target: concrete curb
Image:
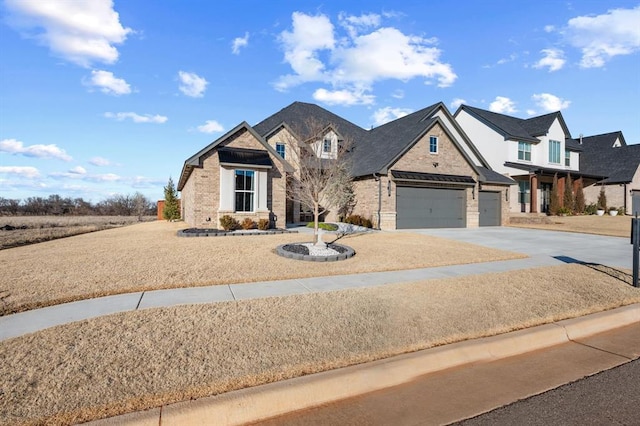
[(261, 402)]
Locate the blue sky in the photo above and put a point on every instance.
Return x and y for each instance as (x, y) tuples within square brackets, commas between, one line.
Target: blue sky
[(110, 97)]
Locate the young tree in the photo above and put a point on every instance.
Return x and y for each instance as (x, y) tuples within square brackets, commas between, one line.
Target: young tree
[(554, 202), (171, 209), (568, 193), (322, 177), (602, 199), (580, 203)]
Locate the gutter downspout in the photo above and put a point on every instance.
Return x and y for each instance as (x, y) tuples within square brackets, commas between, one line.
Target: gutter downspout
[(377, 179), (625, 198)]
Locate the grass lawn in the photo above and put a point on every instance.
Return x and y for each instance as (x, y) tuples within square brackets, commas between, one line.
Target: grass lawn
[(137, 360), (615, 226), (149, 256)]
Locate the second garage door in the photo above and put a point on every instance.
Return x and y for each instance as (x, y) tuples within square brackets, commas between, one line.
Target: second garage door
[(489, 206), (430, 208)]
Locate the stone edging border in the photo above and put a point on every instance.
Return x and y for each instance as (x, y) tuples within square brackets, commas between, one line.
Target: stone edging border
[(181, 233), (332, 258)]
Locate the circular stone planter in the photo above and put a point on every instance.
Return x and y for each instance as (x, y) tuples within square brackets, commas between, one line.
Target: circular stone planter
[(301, 252)]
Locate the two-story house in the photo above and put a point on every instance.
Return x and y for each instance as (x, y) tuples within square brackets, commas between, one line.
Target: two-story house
[(531, 151)]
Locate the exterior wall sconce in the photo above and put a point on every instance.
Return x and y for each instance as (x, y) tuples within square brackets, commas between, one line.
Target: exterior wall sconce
[(506, 194), (435, 164), (473, 192), (389, 188)]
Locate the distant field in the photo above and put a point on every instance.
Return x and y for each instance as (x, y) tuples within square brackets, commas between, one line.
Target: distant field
[(16, 231)]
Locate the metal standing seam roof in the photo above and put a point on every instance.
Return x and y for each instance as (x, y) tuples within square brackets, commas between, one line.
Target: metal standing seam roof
[(399, 175), (243, 156)]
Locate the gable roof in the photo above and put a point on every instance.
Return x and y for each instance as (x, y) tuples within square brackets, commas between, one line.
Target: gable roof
[(197, 159), (513, 128), (600, 157)]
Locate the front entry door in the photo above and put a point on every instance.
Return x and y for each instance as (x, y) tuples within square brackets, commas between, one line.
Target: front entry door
[(545, 188)]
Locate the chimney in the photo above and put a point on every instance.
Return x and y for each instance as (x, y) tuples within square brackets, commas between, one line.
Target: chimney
[(580, 138)]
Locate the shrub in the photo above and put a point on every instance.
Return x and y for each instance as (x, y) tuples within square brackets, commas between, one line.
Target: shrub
[(591, 209), (263, 224), (228, 223), (325, 226), (563, 211), (602, 199), (247, 223), (579, 202), (621, 211), (613, 208), (355, 219)]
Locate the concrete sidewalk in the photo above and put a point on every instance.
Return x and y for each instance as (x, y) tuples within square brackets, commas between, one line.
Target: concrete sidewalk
[(39, 319), (457, 381)]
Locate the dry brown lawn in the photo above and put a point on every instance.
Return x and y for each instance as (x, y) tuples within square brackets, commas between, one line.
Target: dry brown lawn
[(142, 359), (37, 229), (615, 226), (151, 256)]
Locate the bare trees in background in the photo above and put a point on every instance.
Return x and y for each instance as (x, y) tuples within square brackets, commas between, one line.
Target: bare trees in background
[(55, 205)]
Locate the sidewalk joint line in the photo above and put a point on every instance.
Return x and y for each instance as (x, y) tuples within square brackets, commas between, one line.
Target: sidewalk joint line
[(139, 301), (231, 291), (306, 288)]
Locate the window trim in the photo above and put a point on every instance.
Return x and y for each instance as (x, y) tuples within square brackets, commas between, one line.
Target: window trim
[(524, 148), (327, 142), (433, 142), (554, 151), (567, 158), (284, 150), (251, 192)]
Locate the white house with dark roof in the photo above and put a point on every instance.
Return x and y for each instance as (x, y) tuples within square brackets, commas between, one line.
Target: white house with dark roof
[(419, 171), (531, 151)]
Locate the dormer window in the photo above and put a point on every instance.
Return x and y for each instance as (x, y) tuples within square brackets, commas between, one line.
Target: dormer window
[(326, 145), (280, 149)]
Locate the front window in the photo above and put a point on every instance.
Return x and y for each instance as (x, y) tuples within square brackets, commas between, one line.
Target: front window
[(433, 144), (326, 146), (554, 152), (524, 151), (244, 190), (567, 158), (280, 149), (524, 195)]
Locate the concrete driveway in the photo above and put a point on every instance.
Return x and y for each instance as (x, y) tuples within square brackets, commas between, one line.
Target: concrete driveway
[(566, 246)]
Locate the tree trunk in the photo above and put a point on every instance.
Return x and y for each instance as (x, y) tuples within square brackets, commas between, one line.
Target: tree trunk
[(316, 216)]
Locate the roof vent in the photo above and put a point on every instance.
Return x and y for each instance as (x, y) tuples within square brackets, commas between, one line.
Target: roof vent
[(580, 138)]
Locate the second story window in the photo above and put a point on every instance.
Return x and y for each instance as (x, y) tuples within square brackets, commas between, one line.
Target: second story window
[(280, 148), (524, 151), (326, 145), (567, 158), (433, 144), (554, 152)]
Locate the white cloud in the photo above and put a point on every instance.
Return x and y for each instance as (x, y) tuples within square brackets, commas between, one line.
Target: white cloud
[(549, 102), (108, 83), (511, 58), (531, 112), (28, 172), (137, 118), (549, 28), (354, 62), (210, 126), (238, 43), (192, 84), (503, 105), (15, 147), (108, 177), (456, 102), (398, 94), (343, 97), (553, 59), (387, 114), (100, 161), (82, 32), (602, 37), (78, 170)]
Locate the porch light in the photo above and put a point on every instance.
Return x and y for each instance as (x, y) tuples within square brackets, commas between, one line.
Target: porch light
[(389, 188)]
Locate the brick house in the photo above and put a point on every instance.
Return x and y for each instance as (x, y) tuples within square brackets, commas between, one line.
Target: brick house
[(418, 171)]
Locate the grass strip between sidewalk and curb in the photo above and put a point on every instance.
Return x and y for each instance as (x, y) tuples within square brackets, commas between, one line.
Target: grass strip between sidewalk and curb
[(138, 360)]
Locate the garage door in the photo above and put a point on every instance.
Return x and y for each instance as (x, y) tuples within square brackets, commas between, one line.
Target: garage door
[(430, 208), (489, 206)]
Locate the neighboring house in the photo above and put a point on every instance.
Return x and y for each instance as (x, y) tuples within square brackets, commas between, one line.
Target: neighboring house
[(608, 154), (531, 151), (419, 171)]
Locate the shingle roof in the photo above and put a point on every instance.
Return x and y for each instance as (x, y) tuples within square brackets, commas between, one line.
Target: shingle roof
[(600, 157), (514, 128), (388, 142), (490, 176)]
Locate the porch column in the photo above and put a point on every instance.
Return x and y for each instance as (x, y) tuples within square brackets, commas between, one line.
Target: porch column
[(533, 188), (561, 182)]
